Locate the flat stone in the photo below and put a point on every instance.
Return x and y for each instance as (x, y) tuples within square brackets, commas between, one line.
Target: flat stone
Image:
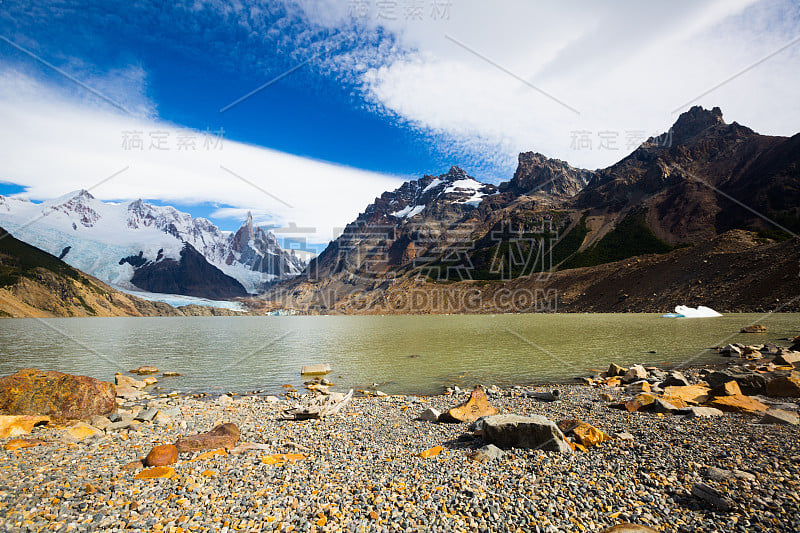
[(156, 472), (319, 370), (81, 431), (170, 374), (19, 444), (486, 453), (738, 404), (172, 412), (146, 415), (532, 432), (781, 417), (719, 474), (119, 426), (99, 421), (15, 425), (476, 407), (750, 382), (629, 528), (694, 394), (121, 380), (755, 328), (221, 436), (430, 415), (699, 412), (623, 435), (712, 496), (128, 393), (142, 370)]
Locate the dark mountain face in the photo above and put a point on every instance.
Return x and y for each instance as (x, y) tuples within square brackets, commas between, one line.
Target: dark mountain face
[(192, 275), (35, 283), (553, 177), (702, 178)]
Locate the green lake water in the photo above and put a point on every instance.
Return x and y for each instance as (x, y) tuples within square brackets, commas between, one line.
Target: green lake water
[(404, 354)]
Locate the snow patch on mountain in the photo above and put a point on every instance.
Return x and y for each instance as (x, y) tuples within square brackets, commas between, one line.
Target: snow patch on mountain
[(455, 187), (96, 237)]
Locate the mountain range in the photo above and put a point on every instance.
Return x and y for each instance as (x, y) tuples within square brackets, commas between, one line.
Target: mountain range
[(140, 246), (704, 190), (707, 213), (34, 283)]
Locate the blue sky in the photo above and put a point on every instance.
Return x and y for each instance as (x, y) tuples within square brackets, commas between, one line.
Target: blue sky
[(379, 97)]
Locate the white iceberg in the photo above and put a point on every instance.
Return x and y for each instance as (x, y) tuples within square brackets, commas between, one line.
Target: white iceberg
[(683, 311)]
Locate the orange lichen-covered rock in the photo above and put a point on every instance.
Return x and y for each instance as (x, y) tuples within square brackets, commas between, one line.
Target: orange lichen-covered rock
[(280, 458), (738, 404), (430, 452), (55, 394), (588, 435), (208, 455), (476, 407), (692, 394), (730, 388), (18, 444), (15, 425), (156, 472), (163, 455), (638, 402)]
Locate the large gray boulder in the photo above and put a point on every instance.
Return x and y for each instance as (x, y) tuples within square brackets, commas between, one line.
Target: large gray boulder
[(514, 431), (749, 382)]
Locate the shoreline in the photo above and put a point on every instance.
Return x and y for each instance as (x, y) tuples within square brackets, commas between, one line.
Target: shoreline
[(360, 470)]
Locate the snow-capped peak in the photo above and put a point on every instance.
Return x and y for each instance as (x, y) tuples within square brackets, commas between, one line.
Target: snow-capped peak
[(455, 188), (99, 235)]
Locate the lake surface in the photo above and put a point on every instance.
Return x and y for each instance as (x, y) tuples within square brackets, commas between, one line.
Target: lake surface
[(404, 354)]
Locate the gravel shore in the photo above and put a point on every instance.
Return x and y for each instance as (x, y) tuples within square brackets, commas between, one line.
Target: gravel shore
[(360, 471)]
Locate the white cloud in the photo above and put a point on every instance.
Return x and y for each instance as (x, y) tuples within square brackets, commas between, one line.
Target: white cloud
[(52, 145), (624, 65)]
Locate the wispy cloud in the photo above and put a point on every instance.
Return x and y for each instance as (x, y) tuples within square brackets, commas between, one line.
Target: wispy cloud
[(52, 145), (625, 65)]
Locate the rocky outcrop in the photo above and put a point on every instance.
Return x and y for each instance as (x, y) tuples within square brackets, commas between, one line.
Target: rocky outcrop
[(537, 173), (192, 275), (260, 251), (55, 394)]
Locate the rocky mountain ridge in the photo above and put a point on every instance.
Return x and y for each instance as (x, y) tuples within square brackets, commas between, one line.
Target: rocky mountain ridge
[(34, 283), (701, 179), (132, 245)]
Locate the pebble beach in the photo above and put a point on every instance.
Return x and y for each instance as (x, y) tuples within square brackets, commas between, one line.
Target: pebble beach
[(361, 470)]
